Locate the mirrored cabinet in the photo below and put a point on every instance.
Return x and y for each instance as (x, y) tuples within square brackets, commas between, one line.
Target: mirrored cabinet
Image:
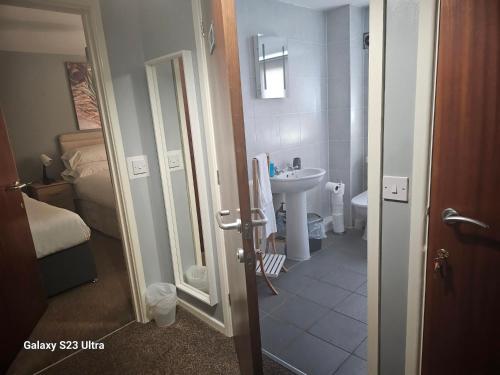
[(271, 66)]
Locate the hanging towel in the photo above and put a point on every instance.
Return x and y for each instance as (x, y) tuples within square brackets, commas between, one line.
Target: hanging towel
[(265, 195)]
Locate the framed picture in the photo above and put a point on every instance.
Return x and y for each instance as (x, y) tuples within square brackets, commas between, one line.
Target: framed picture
[(84, 95)]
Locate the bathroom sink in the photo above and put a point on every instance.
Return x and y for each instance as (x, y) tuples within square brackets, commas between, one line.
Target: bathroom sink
[(297, 181), (294, 185)]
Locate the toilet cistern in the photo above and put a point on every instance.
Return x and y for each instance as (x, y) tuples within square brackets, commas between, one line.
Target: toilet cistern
[(294, 184)]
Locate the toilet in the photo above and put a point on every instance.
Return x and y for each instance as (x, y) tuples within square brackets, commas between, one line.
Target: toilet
[(359, 208)]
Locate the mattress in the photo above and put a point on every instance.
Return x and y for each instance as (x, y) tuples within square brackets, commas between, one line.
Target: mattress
[(96, 188), (99, 217), (54, 229)]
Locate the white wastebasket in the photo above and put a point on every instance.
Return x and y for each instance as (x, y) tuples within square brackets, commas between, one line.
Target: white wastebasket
[(161, 299), (197, 276)]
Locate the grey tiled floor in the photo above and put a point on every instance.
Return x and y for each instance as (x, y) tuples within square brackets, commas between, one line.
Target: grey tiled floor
[(318, 321)]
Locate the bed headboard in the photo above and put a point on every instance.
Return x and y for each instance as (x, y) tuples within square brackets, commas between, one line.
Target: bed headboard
[(80, 138)]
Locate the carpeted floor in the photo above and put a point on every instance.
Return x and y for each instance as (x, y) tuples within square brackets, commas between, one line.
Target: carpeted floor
[(92, 311), (188, 347), (88, 312)]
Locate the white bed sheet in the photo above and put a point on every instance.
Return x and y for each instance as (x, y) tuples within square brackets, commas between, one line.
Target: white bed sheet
[(54, 229), (96, 188)]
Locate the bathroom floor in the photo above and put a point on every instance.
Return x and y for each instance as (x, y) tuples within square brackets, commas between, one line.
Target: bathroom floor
[(317, 323)]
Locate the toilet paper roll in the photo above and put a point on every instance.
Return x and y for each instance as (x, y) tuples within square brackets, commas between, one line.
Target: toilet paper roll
[(338, 223), (337, 188)]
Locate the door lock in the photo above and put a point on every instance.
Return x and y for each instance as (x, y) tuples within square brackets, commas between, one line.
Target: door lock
[(240, 254), (440, 261)]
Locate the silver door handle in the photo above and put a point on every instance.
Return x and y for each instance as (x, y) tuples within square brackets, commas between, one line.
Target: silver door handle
[(263, 218), (18, 185), (450, 216), (227, 226)]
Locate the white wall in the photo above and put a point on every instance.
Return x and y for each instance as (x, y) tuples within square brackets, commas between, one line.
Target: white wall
[(347, 100), (36, 99), (399, 120), (295, 126), (135, 32)]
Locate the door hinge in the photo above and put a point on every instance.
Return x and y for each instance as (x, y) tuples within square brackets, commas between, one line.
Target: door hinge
[(218, 178), (229, 298)]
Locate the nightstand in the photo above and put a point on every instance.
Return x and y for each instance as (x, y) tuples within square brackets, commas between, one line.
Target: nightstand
[(58, 193)]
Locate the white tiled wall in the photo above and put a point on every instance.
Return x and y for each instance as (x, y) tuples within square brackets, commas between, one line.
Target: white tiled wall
[(347, 90), (323, 120), (295, 126)]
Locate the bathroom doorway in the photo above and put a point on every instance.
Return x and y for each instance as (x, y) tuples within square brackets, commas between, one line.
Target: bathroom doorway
[(305, 104)]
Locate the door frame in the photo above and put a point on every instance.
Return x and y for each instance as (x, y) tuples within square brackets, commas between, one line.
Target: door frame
[(206, 110), (375, 142), (376, 87), (90, 12), (427, 55)]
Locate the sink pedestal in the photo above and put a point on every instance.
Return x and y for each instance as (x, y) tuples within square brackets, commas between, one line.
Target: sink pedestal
[(294, 185), (297, 237)]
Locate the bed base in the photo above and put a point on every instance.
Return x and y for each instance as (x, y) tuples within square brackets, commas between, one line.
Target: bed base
[(68, 268)]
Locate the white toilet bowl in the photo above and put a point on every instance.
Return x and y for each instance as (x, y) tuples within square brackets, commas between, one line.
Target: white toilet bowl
[(360, 208)]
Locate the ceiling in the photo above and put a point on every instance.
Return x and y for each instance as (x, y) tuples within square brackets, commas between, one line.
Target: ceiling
[(40, 31), (325, 4)]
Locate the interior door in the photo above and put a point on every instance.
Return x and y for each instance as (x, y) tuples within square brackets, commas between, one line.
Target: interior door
[(462, 302), (22, 298), (227, 108)]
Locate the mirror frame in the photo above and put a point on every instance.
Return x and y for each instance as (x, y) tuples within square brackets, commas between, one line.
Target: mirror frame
[(260, 92), (206, 217)]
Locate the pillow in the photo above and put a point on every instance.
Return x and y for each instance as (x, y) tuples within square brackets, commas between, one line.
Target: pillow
[(70, 175), (84, 170), (83, 155), (89, 169)]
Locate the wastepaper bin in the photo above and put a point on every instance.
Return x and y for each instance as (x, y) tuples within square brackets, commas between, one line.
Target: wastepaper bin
[(316, 230), (197, 276), (161, 299)]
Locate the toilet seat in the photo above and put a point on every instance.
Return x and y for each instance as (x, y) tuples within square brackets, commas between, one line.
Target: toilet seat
[(361, 200)]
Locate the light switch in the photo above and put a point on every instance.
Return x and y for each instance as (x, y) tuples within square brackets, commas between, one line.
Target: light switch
[(175, 160), (395, 188), (138, 166)]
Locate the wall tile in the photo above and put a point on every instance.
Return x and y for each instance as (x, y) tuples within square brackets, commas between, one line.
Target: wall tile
[(357, 123), (339, 92), (289, 130), (340, 124), (306, 58), (267, 135), (341, 154), (338, 25), (356, 25), (338, 58)]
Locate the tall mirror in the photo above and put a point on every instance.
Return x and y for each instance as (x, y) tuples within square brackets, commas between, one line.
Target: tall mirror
[(180, 148), (271, 58)]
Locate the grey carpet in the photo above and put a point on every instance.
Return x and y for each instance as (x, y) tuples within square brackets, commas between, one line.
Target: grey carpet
[(88, 312), (188, 347)]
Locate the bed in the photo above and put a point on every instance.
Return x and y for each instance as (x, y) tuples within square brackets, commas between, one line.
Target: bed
[(91, 179), (61, 240)]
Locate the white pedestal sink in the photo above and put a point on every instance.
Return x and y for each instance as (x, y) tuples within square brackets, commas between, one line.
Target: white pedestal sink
[(294, 185)]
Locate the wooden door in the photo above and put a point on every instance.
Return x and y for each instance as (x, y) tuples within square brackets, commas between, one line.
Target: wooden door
[(227, 108), (22, 298), (462, 302)]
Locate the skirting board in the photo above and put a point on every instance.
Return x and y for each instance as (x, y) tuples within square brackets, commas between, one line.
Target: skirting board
[(212, 322)]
